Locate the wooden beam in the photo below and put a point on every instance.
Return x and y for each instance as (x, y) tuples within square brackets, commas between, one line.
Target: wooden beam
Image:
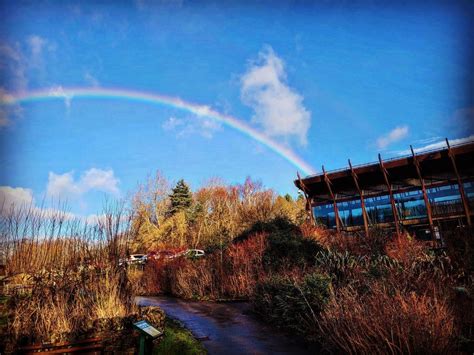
[(362, 202), (390, 193), (336, 210), (308, 206), (465, 202), (423, 189)]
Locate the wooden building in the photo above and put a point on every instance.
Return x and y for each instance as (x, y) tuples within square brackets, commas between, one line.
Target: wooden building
[(422, 192)]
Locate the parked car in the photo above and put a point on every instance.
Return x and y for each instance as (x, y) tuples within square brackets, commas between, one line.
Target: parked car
[(194, 253), (172, 254), (137, 259), (134, 259)]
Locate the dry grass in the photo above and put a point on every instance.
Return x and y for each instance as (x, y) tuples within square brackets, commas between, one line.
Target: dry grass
[(231, 273), (70, 268), (392, 324)]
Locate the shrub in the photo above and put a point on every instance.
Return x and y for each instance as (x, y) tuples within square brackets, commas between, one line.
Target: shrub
[(378, 322), (292, 304), (62, 306), (286, 244), (230, 273)]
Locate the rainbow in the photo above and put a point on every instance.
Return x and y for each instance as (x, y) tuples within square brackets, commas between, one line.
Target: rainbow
[(157, 99)]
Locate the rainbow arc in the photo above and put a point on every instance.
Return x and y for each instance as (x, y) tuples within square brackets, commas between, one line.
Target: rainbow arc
[(162, 100)]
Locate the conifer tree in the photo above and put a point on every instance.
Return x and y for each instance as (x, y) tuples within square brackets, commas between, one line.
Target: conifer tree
[(181, 197)]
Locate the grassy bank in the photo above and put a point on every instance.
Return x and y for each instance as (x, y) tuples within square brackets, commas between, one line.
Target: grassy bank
[(178, 340)]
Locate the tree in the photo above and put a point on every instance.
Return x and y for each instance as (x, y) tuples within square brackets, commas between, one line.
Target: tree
[(180, 197)]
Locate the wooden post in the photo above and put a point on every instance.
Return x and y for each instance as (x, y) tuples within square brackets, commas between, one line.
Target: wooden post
[(465, 202), (336, 210), (423, 189), (362, 202), (390, 192), (309, 207)]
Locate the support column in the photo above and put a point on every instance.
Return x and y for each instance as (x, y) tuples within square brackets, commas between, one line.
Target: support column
[(309, 206), (362, 202), (336, 210), (392, 200), (465, 202), (425, 195)]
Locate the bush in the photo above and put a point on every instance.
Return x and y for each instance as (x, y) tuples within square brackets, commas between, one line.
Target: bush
[(287, 303), (286, 244), (381, 323), (231, 273)]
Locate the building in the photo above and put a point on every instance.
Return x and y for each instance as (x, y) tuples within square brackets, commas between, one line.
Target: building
[(422, 192)]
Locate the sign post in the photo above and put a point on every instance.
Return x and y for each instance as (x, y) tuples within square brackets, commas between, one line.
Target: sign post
[(147, 333)]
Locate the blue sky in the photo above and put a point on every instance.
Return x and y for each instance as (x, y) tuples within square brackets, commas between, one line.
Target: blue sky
[(328, 81)]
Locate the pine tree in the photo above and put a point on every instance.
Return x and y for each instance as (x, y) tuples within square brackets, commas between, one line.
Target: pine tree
[(181, 197)]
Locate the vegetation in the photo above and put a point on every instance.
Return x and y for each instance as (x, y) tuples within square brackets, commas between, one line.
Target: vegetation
[(178, 340), (348, 293), (216, 214), (63, 278), (375, 294), (293, 303)]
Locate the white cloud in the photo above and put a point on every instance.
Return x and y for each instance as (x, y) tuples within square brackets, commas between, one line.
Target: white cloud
[(101, 180), (91, 80), (203, 110), (60, 185), (13, 67), (58, 91), (395, 135), (64, 185), (36, 44), (278, 109), (184, 127), (8, 112), (171, 123), (439, 145), (15, 197)]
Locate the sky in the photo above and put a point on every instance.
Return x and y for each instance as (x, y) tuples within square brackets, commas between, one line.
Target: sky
[(95, 96)]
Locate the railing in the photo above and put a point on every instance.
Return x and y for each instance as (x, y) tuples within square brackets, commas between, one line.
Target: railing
[(433, 150), (447, 207)]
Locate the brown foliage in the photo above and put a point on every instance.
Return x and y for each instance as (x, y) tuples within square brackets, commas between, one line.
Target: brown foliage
[(230, 273), (69, 268), (381, 323)]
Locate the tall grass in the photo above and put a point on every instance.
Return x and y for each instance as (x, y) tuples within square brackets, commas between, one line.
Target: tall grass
[(379, 322), (231, 273), (70, 269)]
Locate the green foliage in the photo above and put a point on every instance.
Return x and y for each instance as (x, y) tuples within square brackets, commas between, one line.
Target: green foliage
[(177, 340), (341, 266), (290, 304), (181, 197), (287, 246)]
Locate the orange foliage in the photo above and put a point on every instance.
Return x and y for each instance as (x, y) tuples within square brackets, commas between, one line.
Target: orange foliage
[(383, 323), (233, 273)]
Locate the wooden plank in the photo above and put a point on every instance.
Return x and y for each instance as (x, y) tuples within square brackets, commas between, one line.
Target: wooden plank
[(390, 193), (465, 202), (362, 202), (61, 347), (95, 348), (423, 189), (308, 206), (336, 210)]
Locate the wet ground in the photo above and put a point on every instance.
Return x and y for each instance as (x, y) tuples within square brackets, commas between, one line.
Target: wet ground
[(227, 328)]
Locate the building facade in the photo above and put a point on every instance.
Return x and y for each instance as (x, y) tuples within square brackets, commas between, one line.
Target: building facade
[(421, 192)]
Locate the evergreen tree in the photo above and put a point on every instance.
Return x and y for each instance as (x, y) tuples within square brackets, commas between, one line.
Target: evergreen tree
[(181, 197)]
